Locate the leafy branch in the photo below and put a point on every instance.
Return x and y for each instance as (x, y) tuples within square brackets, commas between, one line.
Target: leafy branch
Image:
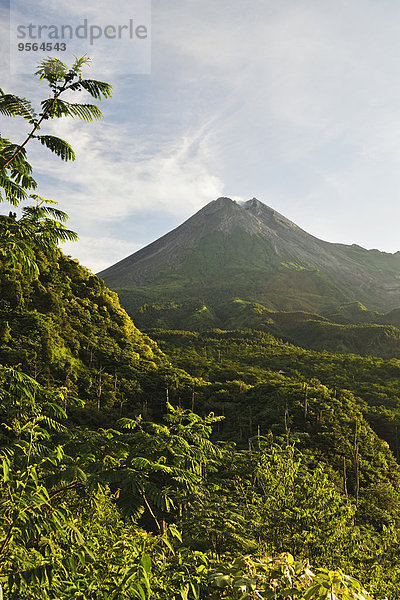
[(60, 80)]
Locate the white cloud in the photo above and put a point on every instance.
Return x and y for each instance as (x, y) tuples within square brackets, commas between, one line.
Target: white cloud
[(111, 179), (99, 252)]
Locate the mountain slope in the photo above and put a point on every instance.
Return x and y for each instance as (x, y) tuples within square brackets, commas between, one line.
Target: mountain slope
[(250, 251), (66, 329)]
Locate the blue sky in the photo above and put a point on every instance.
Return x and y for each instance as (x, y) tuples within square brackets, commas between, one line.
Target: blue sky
[(295, 102)]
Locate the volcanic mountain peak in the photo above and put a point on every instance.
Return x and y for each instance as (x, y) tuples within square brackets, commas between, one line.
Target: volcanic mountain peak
[(222, 201), (270, 217), (255, 205), (226, 215), (223, 215), (248, 250), (255, 217)]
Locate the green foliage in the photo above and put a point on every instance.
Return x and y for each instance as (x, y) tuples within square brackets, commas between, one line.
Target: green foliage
[(41, 227), (66, 329), (50, 540), (58, 146), (282, 373), (39, 230), (62, 533), (350, 329), (15, 171), (282, 577)]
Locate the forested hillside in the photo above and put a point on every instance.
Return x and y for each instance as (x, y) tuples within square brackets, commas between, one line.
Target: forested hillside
[(256, 369), (350, 328), (66, 329)]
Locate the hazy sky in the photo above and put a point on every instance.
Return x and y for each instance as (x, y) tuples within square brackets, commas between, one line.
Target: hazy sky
[(295, 102)]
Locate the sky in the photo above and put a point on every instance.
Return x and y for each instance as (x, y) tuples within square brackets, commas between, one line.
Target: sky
[(295, 102)]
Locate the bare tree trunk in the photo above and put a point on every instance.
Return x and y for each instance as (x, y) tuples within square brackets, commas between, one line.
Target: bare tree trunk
[(356, 462), (345, 477), (305, 403), (99, 389)]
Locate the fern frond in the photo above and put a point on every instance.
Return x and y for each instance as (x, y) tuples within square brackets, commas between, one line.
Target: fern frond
[(128, 423), (25, 258), (73, 534), (56, 409), (140, 463), (97, 89), (8, 150), (14, 106), (57, 214), (159, 498), (13, 192), (58, 146), (26, 181), (53, 232), (53, 425), (61, 108)]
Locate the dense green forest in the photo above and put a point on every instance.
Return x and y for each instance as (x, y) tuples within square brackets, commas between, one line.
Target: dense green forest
[(350, 328), (170, 464)]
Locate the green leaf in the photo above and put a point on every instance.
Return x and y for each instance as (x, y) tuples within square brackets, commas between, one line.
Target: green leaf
[(61, 108), (145, 561), (97, 89), (221, 581), (140, 591), (58, 146), (290, 593), (6, 469), (312, 591), (195, 590), (174, 531), (13, 106), (184, 592), (52, 69)]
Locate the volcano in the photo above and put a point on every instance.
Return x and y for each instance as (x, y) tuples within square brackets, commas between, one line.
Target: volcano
[(230, 250)]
